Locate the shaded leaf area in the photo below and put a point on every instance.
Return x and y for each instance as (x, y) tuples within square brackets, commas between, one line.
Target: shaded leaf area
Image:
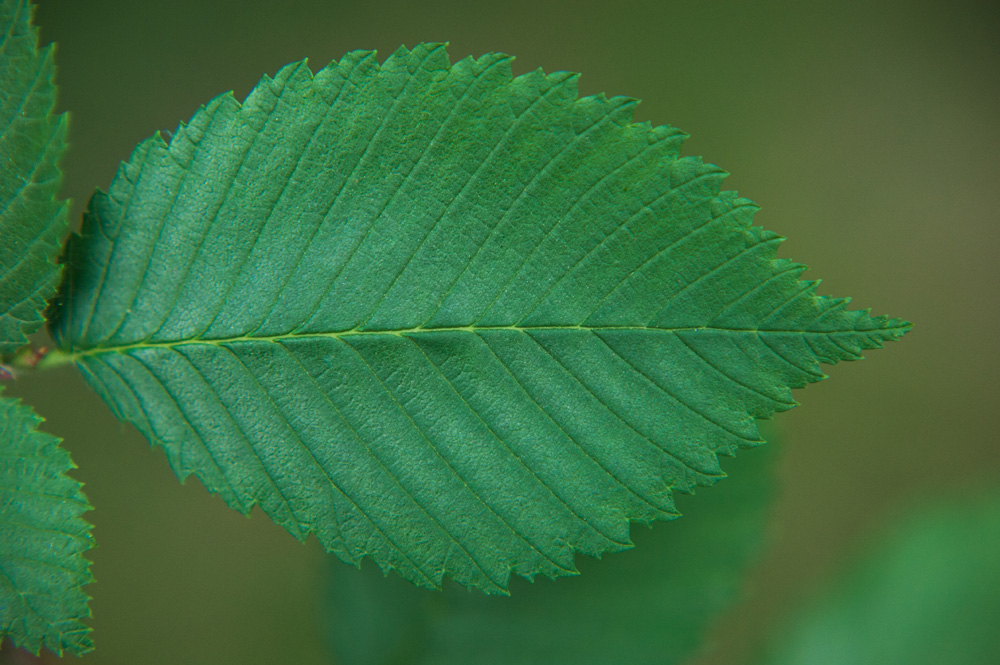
[(42, 538), (32, 139), (929, 593), (460, 322), (651, 605)]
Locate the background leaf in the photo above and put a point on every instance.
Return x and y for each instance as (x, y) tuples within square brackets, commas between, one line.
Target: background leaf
[(32, 139), (928, 593), (459, 322), (42, 538), (651, 605)]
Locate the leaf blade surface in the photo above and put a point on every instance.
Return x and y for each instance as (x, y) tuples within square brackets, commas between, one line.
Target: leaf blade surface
[(32, 140), (460, 322)]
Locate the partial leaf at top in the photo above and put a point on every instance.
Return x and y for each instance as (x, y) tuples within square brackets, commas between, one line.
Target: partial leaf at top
[(42, 538), (459, 322), (32, 139)]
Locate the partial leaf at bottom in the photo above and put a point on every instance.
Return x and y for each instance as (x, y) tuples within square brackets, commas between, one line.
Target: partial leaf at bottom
[(42, 538)]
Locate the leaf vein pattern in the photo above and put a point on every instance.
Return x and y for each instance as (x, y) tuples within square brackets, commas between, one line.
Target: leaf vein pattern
[(718, 370), (42, 495), (705, 275), (112, 243), (517, 202), (465, 550), (513, 530), (807, 372), (850, 354), (243, 435), (207, 227), (353, 238), (31, 295), (238, 272), (819, 352), (9, 581), (841, 304), (648, 208), (187, 421), (11, 273), (30, 180), (92, 377), (380, 462), (373, 141), (29, 91), (389, 201), (489, 158), (444, 459), (322, 469), (616, 415), (572, 439), (150, 430), (334, 105), (661, 253), (343, 334), (584, 196), (40, 529), (662, 388), (315, 229), (15, 21), (511, 452), (462, 192), (753, 289), (805, 289), (39, 562)]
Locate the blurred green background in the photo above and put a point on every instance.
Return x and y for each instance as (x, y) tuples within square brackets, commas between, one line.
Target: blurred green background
[(868, 131)]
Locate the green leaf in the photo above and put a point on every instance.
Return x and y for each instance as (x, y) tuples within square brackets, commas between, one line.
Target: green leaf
[(32, 139), (459, 322), (651, 605), (42, 538), (928, 594)]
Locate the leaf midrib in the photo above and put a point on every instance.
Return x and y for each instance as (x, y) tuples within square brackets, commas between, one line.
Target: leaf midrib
[(74, 355)]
